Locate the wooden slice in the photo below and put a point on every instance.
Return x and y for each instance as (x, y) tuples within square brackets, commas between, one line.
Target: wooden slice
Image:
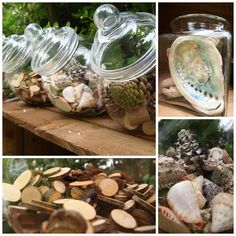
[(129, 205), (43, 203), (59, 186), (111, 201), (123, 219), (11, 193), (23, 179), (15, 83), (102, 174), (60, 202), (43, 189), (34, 88), (30, 193), (99, 225), (122, 198), (143, 217), (148, 193), (52, 195), (77, 193), (127, 193), (152, 199), (134, 192), (62, 173), (32, 74), (115, 175), (146, 229), (142, 188), (86, 210), (132, 186), (145, 204), (20, 77), (35, 179), (98, 178), (109, 187), (81, 183), (62, 104), (52, 171)]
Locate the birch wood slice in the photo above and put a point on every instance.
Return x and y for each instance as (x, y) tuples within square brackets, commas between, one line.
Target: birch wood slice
[(63, 172), (35, 179), (81, 183), (23, 179), (51, 171), (31, 193), (99, 225), (115, 175), (60, 202), (142, 188), (86, 210), (52, 195), (129, 205), (145, 229), (123, 219), (59, 186), (11, 193), (109, 187)]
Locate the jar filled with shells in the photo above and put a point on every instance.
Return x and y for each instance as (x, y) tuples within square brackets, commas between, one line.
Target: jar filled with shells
[(26, 84), (123, 55), (194, 64), (64, 63)]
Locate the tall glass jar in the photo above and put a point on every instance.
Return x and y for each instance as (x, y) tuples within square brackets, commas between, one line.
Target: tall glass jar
[(194, 62), (124, 56), (27, 85), (64, 64)]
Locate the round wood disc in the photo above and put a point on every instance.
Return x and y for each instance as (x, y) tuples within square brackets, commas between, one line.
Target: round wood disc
[(44, 204), (109, 187), (98, 178), (59, 186), (103, 174), (52, 195), (123, 219), (11, 193), (129, 205), (132, 186), (111, 201), (86, 210), (23, 179), (15, 83), (20, 77), (152, 199), (81, 183), (146, 229), (115, 175), (43, 189), (99, 225), (35, 179), (51, 171), (62, 104), (34, 88), (61, 201), (31, 193), (142, 188), (63, 172), (144, 204), (122, 198)]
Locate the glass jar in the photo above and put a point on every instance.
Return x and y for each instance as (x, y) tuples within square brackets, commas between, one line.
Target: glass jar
[(64, 64), (27, 85), (124, 56), (194, 62)]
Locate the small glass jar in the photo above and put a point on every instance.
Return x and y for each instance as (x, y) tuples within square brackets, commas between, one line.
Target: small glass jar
[(64, 64), (124, 56), (26, 84), (194, 64)]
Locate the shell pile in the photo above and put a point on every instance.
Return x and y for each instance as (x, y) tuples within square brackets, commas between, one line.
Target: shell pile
[(75, 89), (195, 188), (195, 66)]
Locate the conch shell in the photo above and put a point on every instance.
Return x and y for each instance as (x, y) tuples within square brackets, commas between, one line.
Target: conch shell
[(183, 201)]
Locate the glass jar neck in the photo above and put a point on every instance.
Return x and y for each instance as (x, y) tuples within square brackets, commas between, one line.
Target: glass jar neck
[(196, 22)]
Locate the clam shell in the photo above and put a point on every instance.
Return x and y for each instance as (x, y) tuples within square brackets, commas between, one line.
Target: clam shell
[(78, 89), (183, 201), (69, 94), (222, 213), (87, 101)]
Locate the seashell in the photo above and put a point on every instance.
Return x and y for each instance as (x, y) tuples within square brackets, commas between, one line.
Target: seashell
[(216, 153), (226, 157), (183, 201), (222, 213), (166, 83), (78, 89), (197, 183), (87, 101), (196, 68), (210, 164), (171, 92), (169, 214), (201, 200), (69, 94)]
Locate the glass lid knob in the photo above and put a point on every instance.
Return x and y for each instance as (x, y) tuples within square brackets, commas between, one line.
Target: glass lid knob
[(32, 31)]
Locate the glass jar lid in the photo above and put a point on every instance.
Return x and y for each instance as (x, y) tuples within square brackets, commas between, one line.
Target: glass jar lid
[(124, 45), (16, 52), (52, 48)]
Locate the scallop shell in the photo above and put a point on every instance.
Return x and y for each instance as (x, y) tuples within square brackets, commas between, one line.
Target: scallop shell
[(222, 213), (196, 69), (183, 201), (87, 101), (69, 94)]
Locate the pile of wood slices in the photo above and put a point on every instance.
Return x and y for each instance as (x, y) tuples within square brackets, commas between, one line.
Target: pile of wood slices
[(61, 200)]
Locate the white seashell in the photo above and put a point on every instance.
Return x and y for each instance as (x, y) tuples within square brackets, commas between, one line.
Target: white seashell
[(166, 83), (183, 201), (69, 94), (201, 200), (78, 89), (197, 183), (171, 92), (87, 101), (216, 153), (222, 213)]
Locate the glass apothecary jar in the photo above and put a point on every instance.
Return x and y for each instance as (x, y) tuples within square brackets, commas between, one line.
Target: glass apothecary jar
[(27, 85), (124, 56), (194, 63), (64, 64)]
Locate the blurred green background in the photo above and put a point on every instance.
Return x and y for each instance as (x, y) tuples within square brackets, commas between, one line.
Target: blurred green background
[(209, 133)]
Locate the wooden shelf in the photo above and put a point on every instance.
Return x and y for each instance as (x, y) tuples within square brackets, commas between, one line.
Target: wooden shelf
[(82, 136)]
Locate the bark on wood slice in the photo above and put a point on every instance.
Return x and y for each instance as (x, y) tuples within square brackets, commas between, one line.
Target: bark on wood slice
[(99, 225), (112, 201), (36, 207), (146, 229), (149, 128), (52, 171), (122, 198), (123, 219), (143, 217), (145, 204), (30, 193), (23, 179), (134, 192), (45, 204), (115, 175), (129, 205), (81, 183), (102, 174), (86, 210), (148, 193), (132, 186), (59, 186), (15, 83), (52, 195), (98, 178), (43, 189), (152, 199), (35, 179), (11, 193), (127, 193), (60, 202), (142, 188), (77, 193), (109, 187), (62, 173)]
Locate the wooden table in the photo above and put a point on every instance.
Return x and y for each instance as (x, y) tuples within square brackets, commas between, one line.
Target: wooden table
[(25, 127)]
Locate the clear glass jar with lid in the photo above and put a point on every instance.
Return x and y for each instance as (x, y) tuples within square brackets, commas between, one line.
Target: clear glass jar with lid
[(124, 56), (194, 64), (27, 85), (64, 64)]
